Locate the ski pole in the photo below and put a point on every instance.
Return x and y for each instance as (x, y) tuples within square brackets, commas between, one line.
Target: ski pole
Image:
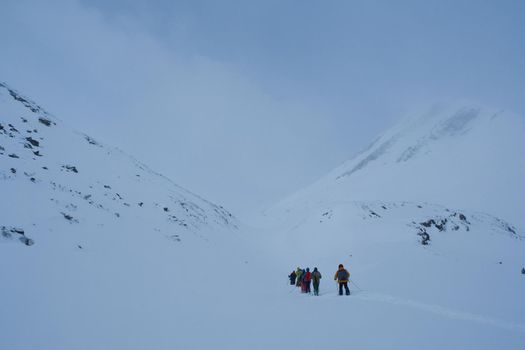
[(355, 285)]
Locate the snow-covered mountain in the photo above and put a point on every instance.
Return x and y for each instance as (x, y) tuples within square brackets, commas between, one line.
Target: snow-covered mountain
[(452, 173), (54, 179), (97, 250), (462, 157), (427, 218)]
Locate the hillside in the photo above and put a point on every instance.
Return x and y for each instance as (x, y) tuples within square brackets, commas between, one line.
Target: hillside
[(58, 179), (457, 156), (94, 245), (427, 218)]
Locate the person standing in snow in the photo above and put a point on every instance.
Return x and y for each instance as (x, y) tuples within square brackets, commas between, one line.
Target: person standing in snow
[(316, 279), (342, 276), (299, 275), (303, 283), (307, 280), (292, 277)]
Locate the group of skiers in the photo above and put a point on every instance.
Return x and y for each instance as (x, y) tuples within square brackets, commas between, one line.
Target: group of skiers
[(304, 278)]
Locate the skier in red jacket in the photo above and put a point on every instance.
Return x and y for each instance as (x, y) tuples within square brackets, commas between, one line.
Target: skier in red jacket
[(307, 280)]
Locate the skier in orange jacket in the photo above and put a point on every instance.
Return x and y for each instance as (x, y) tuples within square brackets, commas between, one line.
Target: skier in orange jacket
[(342, 276)]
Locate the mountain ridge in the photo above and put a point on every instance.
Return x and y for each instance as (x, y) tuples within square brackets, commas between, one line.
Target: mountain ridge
[(466, 157), (83, 178)]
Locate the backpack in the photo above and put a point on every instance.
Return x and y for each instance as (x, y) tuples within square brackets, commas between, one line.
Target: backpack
[(307, 277), (343, 275), (316, 276)]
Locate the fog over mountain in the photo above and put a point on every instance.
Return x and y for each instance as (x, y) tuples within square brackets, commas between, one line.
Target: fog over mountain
[(269, 95)]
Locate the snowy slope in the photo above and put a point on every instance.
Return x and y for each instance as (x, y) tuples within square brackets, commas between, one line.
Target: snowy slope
[(55, 178), (464, 157), (463, 289), (427, 218), (96, 248)]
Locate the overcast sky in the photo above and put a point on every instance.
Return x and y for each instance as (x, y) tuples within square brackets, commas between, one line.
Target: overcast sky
[(245, 102)]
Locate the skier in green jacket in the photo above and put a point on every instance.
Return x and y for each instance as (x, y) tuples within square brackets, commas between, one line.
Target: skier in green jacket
[(299, 274), (316, 279)]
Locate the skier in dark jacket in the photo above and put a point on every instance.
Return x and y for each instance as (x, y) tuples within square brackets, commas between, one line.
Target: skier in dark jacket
[(307, 279), (316, 279), (292, 277), (342, 276)]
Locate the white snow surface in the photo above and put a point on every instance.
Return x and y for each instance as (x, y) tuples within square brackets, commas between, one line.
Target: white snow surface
[(192, 277)]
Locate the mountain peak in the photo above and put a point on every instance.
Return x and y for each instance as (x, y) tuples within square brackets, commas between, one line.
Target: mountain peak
[(456, 154)]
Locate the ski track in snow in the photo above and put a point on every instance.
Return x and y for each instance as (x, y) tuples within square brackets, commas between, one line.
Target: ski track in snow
[(439, 310), (431, 308)]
